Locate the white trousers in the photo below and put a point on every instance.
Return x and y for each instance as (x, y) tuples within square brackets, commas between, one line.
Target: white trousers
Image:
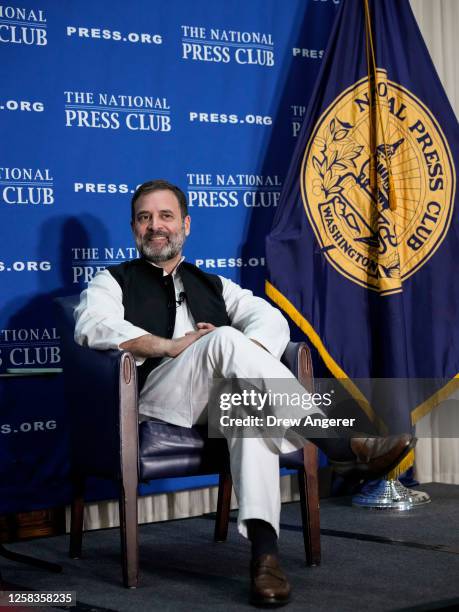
[(177, 392)]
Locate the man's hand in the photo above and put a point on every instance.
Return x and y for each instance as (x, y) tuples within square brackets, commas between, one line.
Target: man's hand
[(155, 346), (178, 345), (207, 326)]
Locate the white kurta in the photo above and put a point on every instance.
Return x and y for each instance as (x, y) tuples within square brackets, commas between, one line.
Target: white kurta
[(177, 390), (100, 319)]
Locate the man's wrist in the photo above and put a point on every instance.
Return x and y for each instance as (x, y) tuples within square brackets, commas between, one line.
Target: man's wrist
[(170, 347), (163, 347)]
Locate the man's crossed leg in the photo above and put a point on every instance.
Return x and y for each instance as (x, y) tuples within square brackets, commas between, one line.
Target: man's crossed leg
[(178, 391)]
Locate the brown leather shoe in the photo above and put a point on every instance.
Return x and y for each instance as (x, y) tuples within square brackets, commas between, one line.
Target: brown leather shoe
[(375, 457), (269, 585)]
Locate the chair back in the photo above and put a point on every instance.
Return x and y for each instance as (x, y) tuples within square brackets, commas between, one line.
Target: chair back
[(91, 387)]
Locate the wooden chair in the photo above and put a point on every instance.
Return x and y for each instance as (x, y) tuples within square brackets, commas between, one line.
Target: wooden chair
[(108, 442)]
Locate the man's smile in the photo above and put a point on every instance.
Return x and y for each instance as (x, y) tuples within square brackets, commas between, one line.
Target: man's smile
[(159, 239)]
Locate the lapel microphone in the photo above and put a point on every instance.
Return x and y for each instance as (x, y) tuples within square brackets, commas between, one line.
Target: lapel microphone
[(181, 298)]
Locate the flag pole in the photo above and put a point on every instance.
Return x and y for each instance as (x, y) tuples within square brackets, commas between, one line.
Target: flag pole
[(373, 76), (388, 493)]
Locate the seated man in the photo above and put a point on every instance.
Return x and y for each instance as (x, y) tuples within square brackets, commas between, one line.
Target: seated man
[(186, 327)]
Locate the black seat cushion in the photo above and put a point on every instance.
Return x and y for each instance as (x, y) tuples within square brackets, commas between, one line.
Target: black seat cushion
[(292, 461), (167, 450)]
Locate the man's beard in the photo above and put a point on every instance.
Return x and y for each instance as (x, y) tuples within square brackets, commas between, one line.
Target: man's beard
[(160, 253)]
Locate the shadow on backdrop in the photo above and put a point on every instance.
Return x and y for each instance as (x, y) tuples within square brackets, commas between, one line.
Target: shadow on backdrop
[(34, 461)]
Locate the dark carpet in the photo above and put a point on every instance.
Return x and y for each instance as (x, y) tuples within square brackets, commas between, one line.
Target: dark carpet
[(370, 561)]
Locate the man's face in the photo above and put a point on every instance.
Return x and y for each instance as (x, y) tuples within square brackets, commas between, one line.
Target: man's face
[(158, 227)]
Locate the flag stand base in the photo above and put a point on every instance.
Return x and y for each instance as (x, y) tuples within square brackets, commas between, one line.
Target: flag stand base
[(389, 495)]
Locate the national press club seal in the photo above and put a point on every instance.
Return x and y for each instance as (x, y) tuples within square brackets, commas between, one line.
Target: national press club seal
[(370, 239)]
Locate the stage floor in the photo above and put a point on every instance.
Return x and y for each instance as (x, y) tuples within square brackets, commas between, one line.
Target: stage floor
[(370, 561)]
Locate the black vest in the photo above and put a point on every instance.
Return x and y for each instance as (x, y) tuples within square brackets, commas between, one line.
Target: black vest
[(149, 300)]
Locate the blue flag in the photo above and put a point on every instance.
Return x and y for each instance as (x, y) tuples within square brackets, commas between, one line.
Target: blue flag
[(364, 250)]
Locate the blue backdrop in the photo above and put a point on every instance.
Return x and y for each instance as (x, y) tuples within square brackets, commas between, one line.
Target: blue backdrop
[(96, 98)]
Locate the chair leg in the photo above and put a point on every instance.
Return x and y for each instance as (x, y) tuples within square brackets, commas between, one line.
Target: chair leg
[(76, 518), (129, 534), (309, 496), (129, 464), (225, 486)]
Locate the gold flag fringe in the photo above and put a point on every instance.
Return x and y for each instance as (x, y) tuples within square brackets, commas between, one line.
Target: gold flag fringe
[(404, 465)]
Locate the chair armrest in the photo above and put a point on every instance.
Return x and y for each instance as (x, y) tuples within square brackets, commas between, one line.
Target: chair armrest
[(297, 358), (101, 393)]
